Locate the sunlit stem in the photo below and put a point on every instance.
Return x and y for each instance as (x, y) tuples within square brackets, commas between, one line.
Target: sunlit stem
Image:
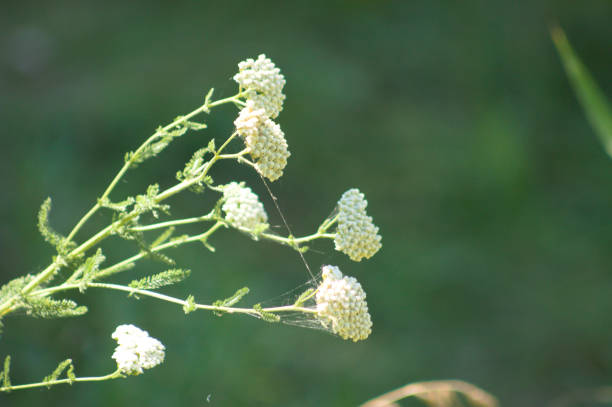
[(115, 375), (126, 166), (203, 237), (177, 222), (229, 310), (295, 242), (44, 275)]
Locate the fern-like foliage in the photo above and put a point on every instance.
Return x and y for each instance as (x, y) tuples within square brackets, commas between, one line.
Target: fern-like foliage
[(14, 287), (147, 203), (265, 315), (86, 272), (58, 372), (116, 206), (190, 304), (194, 166), (306, 295), (48, 308), (6, 380), (229, 301), (61, 243), (163, 279), (162, 140)]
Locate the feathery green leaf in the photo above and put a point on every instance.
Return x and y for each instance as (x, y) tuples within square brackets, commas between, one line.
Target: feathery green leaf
[(265, 315), (229, 301), (165, 278), (58, 371), (190, 304), (61, 243), (47, 308), (6, 380), (306, 295)]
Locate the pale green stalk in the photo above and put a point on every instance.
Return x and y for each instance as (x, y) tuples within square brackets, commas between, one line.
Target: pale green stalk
[(115, 375), (167, 298), (9, 305)]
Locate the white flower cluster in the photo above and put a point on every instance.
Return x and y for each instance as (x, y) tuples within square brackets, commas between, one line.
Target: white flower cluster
[(263, 83), (136, 350), (265, 141), (341, 305), (356, 235), (242, 208)]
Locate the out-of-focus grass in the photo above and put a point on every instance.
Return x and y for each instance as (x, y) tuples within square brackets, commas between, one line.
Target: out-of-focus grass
[(592, 99)]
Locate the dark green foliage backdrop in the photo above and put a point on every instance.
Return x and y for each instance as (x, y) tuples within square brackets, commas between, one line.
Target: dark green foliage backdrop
[(456, 120)]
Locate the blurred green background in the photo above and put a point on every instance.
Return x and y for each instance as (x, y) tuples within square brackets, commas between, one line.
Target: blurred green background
[(454, 118)]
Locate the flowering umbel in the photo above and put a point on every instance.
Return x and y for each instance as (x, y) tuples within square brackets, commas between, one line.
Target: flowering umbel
[(264, 140), (341, 305), (356, 235), (263, 83), (136, 350), (242, 208)]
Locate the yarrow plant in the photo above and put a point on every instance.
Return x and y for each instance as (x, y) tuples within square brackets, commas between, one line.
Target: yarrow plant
[(334, 302), (136, 350)]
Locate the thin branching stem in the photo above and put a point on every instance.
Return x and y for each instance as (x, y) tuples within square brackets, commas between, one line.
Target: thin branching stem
[(9, 305), (115, 375)]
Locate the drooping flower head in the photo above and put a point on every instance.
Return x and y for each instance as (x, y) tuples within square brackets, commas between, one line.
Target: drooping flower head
[(263, 83), (136, 350), (342, 306), (356, 235), (264, 140), (242, 208)]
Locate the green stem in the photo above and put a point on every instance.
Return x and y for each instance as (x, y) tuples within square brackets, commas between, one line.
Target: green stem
[(203, 237), (177, 222), (292, 241), (115, 375), (126, 166), (229, 310), (8, 306)]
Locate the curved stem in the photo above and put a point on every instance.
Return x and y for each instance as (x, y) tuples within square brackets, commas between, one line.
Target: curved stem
[(126, 166), (174, 300), (115, 375), (177, 222), (229, 310), (8, 306), (121, 265)]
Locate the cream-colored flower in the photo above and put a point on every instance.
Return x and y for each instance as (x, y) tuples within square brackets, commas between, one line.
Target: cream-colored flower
[(342, 306), (136, 350), (356, 235), (263, 83), (242, 208), (264, 140)]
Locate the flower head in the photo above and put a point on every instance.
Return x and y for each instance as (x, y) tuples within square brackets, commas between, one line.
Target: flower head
[(341, 305), (136, 350), (263, 83), (242, 207), (356, 235), (265, 141)]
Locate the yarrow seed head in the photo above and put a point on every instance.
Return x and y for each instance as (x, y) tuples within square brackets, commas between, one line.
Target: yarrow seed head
[(356, 235), (243, 209), (265, 141), (263, 83), (342, 306), (136, 350)]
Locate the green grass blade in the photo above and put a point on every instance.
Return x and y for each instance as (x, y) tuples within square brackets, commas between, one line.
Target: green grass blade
[(592, 99)]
